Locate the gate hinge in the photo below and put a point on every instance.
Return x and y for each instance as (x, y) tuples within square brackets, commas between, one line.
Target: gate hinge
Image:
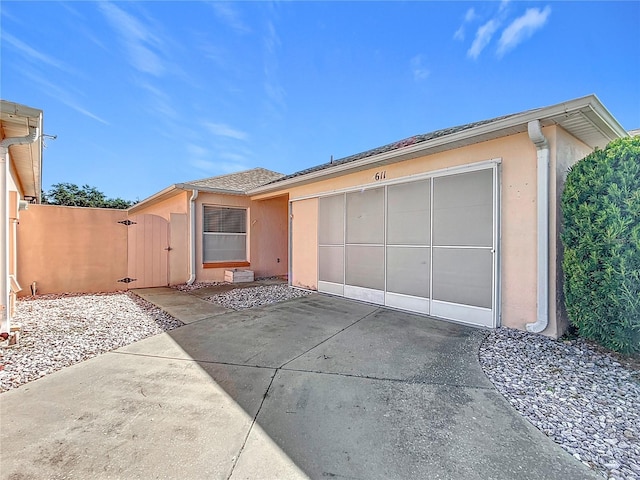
[(127, 222), (127, 280)]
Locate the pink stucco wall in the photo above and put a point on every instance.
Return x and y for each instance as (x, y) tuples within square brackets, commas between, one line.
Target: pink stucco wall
[(518, 218), (71, 249)]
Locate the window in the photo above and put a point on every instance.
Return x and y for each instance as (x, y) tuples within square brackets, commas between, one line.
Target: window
[(224, 234)]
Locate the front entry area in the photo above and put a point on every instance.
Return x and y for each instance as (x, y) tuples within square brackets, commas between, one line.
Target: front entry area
[(426, 246)]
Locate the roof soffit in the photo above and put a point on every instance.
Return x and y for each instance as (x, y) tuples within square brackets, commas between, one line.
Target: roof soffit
[(26, 160)]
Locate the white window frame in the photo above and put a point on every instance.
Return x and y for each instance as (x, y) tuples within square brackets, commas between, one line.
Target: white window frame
[(205, 234)]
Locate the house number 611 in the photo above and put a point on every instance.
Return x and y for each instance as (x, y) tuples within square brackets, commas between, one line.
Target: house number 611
[(380, 175)]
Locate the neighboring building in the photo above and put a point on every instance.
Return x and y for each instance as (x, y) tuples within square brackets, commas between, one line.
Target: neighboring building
[(461, 224), (20, 184)]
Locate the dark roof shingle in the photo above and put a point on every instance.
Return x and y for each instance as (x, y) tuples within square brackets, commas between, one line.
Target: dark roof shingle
[(392, 146), (240, 182)]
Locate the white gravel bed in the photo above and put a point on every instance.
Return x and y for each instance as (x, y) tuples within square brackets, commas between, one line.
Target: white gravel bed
[(585, 400), (183, 287), (60, 330), (241, 298)]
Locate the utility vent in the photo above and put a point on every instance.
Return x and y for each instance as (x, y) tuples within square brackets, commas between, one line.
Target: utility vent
[(127, 222), (127, 279)]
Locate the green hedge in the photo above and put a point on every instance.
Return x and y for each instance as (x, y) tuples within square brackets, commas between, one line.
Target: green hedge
[(601, 237)]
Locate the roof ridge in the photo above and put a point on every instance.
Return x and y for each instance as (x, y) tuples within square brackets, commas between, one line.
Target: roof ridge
[(229, 174), (405, 142)]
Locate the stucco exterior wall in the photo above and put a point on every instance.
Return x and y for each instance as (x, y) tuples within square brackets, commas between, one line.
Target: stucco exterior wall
[(518, 219), (178, 203), (215, 274), (304, 244), (566, 150), (71, 249), (179, 253), (268, 237)]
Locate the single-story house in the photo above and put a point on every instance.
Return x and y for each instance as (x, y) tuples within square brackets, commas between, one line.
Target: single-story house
[(461, 223), (20, 184)]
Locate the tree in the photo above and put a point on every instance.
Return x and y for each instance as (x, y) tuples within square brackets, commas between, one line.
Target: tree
[(601, 237), (71, 195)]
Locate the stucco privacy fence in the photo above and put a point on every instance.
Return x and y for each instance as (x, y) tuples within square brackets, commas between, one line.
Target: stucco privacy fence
[(461, 224)]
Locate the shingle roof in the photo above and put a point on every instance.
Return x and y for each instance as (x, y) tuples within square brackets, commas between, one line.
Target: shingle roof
[(240, 182), (394, 146)]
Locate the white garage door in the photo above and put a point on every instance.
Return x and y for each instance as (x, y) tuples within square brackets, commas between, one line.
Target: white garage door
[(426, 246)]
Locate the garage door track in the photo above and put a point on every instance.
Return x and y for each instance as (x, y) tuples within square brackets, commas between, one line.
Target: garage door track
[(317, 387)]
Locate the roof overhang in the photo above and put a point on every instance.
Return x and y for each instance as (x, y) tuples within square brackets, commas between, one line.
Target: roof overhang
[(585, 118), (26, 160), (174, 190)]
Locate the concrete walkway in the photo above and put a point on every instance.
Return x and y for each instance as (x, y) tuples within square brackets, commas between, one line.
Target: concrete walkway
[(315, 387)]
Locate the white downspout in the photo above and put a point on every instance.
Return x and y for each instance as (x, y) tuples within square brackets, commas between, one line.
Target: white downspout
[(192, 237), (5, 318), (542, 148)]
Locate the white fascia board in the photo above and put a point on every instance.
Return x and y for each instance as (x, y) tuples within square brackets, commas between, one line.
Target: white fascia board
[(466, 136), (21, 111), (221, 191), (174, 189), (156, 197)]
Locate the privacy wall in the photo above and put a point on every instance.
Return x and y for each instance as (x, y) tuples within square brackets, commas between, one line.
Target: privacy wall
[(71, 249)]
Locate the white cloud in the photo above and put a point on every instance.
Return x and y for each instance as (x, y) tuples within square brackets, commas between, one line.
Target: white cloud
[(63, 96), (420, 72), (469, 17), (35, 54), (483, 37), (197, 150), (225, 12), (274, 91), (234, 157), (231, 167), (522, 28), (201, 164), (137, 39), (222, 130), (216, 167)]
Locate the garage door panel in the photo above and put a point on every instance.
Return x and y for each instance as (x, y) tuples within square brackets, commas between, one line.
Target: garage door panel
[(463, 276), (408, 270), (409, 213), (331, 264), (365, 216), (365, 266), (331, 220), (424, 246), (463, 209)]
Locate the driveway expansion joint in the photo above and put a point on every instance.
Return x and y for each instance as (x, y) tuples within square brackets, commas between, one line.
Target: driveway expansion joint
[(253, 422), (328, 338), (389, 379)]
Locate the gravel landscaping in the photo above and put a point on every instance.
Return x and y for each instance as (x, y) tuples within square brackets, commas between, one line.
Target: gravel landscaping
[(60, 330), (241, 298), (585, 399)]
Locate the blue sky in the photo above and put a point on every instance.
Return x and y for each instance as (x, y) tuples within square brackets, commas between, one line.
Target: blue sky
[(146, 94)]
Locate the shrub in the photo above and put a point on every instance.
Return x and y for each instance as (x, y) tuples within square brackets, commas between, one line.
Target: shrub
[(601, 237)]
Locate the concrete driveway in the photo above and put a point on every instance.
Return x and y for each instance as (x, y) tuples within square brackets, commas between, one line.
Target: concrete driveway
[(316, 387)]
